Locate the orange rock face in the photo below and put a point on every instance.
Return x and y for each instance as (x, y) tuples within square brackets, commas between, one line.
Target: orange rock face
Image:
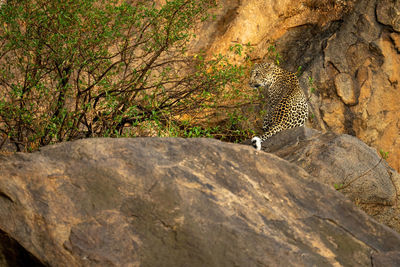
[(263, 22), (366, 59)]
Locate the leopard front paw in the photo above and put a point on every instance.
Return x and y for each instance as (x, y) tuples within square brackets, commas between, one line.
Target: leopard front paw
[(256, 142)]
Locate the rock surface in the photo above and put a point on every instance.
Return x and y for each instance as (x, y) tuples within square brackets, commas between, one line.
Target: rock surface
[(177, 202), (345, 88), (263, 22), (365, 51), (345, 163)]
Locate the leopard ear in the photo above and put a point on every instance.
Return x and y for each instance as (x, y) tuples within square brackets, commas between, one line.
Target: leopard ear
[(265, 64), (268, 65), (272, 65)]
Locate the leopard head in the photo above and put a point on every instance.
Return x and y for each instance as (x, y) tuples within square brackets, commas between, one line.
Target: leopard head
[(263, 74)]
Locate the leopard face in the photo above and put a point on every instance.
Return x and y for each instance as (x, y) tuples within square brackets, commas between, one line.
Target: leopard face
[(263, 75)]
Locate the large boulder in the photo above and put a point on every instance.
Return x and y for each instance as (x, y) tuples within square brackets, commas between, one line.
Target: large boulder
[(346, 164), (177, 202)]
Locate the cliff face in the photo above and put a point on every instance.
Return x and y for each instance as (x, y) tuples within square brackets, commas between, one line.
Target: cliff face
[(263, 22), (359, 71), (350, 48)]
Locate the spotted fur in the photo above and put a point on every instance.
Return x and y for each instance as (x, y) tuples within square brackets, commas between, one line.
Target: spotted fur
[(286, 103)]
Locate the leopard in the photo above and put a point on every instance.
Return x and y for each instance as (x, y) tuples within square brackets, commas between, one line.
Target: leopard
[(285, 100)]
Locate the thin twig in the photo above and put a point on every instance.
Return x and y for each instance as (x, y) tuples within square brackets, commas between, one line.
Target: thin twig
[(365, 173)]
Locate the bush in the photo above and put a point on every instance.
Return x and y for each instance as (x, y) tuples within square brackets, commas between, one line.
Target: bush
[(91, 68)]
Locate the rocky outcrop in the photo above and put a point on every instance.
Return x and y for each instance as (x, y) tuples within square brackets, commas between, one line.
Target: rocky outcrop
[(351, 49), (262, 23), (358, 73), (177, 202), (345, 163)]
